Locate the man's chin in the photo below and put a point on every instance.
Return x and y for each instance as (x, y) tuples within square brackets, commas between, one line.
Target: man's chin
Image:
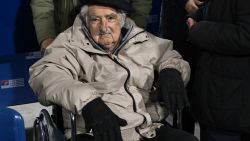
[(108, 46)]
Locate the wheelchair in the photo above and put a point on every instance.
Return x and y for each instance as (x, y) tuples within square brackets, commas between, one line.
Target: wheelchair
[(48, 127)]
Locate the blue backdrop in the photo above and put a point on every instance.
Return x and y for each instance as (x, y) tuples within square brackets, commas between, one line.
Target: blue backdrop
[(18, 44)]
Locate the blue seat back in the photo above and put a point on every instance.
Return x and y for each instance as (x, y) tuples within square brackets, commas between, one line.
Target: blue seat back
[(11, 125), (14, 87)]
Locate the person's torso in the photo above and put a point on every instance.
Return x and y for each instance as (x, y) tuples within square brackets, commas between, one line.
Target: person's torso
[(221, 89)]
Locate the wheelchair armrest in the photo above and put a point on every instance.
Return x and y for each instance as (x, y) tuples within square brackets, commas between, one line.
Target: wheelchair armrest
[(73, 127), (57, 117)]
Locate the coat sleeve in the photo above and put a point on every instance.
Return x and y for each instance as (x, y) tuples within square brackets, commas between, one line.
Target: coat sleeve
[(43, 18), (55, 79), (225, 38), (166, 57)]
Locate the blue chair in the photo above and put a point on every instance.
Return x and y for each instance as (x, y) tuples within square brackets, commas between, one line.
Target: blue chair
[(11, 125)]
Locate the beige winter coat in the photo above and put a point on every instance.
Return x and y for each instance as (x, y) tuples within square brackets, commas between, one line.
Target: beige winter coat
[(73, 72)]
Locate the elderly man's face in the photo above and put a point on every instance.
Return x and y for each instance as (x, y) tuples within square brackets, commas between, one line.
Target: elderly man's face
[(104, 25)]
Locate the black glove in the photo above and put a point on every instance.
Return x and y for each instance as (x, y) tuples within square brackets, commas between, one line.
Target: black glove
[(103, 122), (171, 90)]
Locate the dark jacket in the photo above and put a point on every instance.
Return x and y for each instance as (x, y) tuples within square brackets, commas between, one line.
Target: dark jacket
[(221, 97)]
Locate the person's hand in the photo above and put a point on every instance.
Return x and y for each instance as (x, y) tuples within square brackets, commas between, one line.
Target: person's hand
[(171, 90), (192, 5), (45, 43), (104, 123), (190, 22)]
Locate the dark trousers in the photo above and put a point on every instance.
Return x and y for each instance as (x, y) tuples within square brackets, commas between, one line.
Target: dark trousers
[(188, 122), (209, 134), (165, 133)]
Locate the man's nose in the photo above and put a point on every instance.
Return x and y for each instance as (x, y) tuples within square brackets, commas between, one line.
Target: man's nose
[(104, 25)]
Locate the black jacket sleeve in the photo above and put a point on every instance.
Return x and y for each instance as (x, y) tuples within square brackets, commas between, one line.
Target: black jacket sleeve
[(224, 37)]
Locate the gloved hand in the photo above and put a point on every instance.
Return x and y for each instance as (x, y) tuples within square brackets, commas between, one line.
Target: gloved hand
[(171, 90), (103, 122)]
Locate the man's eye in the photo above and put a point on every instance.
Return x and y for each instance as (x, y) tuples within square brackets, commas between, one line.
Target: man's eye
[(111, 18), (94, 19)]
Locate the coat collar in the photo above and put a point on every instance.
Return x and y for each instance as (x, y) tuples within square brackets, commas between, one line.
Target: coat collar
[(81, 38)]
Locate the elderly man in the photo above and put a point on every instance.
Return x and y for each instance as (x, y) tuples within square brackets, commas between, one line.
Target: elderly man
[(102, 69)]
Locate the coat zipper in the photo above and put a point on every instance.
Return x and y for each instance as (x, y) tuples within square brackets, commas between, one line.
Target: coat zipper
[(126, 89), (126, 82), (116, 51)]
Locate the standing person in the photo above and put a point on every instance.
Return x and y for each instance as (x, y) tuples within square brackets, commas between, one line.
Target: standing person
[(173, 27), (102, 69), (51, 17), (220, 29)]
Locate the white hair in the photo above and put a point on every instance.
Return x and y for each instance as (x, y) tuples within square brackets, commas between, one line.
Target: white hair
[(85, 16)]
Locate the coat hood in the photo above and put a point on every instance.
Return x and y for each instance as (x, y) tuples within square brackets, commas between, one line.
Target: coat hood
[(80, 34)]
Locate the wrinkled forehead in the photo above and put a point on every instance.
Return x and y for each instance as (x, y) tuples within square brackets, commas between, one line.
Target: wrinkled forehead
[(97, 10)]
